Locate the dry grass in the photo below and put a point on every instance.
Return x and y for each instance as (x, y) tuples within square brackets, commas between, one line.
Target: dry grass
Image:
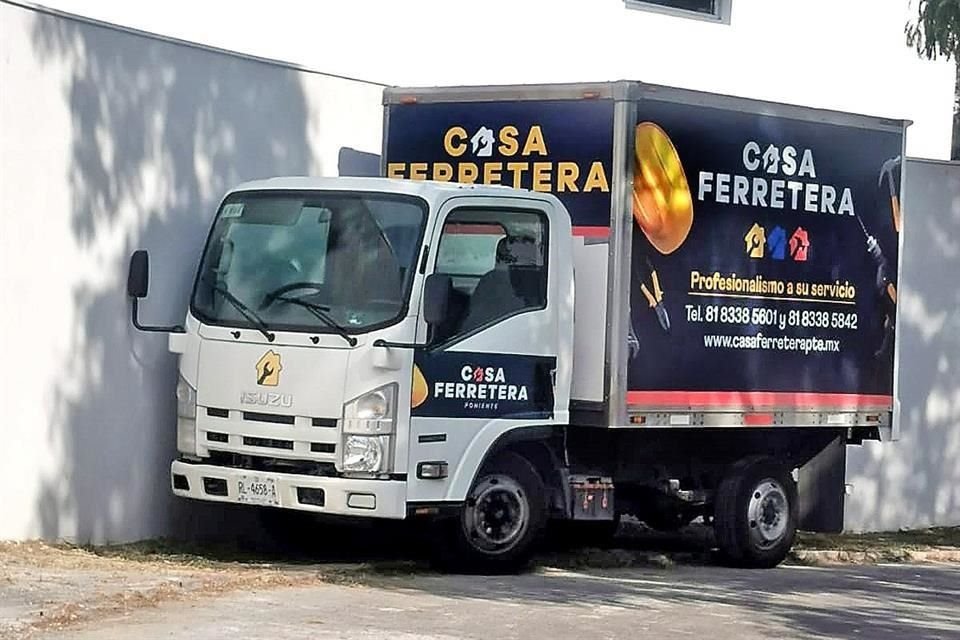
[(914, 539), (143, 575), (121, 604)]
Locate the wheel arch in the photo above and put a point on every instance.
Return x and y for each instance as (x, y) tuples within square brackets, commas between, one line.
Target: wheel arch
[(541, 445)]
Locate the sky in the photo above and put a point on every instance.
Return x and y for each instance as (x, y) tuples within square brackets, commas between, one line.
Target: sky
[(846, 55)]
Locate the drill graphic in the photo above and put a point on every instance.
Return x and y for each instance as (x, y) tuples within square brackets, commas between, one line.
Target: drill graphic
[(886, 288)]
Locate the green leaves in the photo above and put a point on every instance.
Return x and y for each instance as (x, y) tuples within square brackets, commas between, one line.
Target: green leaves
[(936, 32)]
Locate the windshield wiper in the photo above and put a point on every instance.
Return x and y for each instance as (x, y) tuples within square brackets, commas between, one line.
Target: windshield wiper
[(244, 310), (319, 311)]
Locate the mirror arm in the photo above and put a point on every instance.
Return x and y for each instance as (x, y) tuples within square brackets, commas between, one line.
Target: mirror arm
[(135, 315)]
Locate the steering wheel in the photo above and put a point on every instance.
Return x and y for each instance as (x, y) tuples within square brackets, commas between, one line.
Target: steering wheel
[(287, 288)]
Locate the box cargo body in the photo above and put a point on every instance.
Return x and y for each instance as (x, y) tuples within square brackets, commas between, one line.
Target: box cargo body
[(735, 260)]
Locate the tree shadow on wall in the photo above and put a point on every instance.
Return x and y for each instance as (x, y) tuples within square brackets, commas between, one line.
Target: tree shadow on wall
[(917, 479), (159, 132)]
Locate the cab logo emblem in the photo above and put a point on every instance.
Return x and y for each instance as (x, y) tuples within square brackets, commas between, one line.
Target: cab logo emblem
[(268, 369)]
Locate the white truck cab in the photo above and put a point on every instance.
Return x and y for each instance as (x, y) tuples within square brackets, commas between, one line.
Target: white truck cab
[(310, 377)]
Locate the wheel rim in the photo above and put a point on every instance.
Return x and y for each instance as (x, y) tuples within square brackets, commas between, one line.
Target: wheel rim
[(496, 514), (768, 513)]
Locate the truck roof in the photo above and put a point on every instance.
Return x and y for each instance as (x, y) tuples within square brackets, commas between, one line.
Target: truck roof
[(634, 90), (424, 188)]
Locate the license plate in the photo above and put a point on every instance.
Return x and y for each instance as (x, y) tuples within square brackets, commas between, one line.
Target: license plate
[(257, 490)]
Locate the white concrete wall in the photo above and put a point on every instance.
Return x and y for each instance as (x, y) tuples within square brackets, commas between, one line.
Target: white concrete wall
[(915, 482), (841, 54), (111, 142)]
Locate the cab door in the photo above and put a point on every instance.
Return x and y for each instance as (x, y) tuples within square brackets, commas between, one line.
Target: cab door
[(500, 360)]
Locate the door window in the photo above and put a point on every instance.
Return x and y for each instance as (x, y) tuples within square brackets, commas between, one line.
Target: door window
[(497, 261)]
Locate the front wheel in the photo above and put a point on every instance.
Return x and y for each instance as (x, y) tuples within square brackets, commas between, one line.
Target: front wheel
[(755, 513), (499, 523)]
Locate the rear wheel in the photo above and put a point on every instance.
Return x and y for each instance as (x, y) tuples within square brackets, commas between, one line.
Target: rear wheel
[(755, 513), (500, 522)]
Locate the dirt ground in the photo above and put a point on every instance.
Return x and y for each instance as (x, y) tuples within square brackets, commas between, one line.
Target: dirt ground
[(49, 590)]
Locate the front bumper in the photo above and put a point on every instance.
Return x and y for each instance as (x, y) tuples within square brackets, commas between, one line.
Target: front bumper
[(341, 496)]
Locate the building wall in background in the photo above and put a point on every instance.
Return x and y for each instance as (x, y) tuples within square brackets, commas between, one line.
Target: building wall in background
[(848, 55), (110, 142), (915, 482)]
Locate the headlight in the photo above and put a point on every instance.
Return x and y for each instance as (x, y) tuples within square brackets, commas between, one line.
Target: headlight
[(373, 413), (367, 422), (186, 417), (373, 406), (187, 436), (186, 399), (363, 454)]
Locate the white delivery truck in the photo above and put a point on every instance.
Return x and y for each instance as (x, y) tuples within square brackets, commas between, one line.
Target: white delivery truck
[(562, 302)]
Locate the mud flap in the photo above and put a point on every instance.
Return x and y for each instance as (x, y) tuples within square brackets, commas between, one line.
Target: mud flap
[(821, 489)]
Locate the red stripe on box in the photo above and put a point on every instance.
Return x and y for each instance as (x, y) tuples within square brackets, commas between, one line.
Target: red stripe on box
[(752, 399), (592, 232)]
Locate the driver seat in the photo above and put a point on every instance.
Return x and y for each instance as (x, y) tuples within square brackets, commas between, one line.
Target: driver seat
[(496, 295)]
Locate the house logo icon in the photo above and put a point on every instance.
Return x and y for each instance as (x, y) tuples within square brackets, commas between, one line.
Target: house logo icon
[(268, 369)]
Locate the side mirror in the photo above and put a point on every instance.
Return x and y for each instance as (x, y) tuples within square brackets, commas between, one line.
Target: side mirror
[(138, 279), (436, 296)]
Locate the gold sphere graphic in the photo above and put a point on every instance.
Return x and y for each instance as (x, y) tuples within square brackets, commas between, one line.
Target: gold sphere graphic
[(420, 389), (662, 204)]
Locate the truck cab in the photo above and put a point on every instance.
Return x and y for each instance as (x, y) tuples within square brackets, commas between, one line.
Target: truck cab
[(335, 327)]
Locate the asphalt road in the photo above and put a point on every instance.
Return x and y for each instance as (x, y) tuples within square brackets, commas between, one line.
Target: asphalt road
[(874, 602)]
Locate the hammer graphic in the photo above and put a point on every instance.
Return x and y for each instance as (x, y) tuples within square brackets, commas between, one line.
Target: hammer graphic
[(886, 170)]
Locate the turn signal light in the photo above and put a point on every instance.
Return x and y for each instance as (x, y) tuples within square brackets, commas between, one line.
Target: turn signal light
[(432, 470)]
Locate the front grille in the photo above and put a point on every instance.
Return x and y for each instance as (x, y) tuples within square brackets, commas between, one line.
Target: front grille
[(286, 435), (264, 463), (269, 443), (272, 418)]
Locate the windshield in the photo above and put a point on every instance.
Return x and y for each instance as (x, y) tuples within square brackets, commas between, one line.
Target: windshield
[(317, 261)]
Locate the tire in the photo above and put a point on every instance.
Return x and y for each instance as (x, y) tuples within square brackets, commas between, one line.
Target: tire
[(755, 513), (501, 521)]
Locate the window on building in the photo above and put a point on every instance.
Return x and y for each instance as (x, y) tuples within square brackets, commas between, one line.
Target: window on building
[(497, 260), (707, 9)]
